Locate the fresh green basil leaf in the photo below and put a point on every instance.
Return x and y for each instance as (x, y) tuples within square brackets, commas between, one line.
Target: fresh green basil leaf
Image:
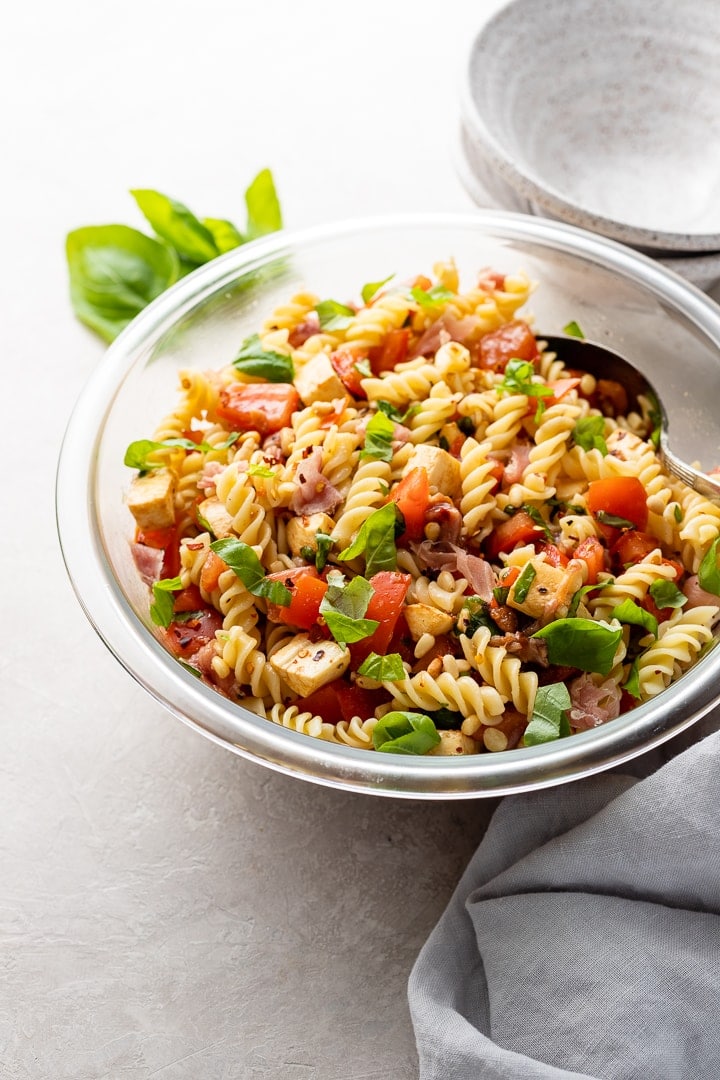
[(446, 719), (535, 514), (518, 379), (405, 733), (343, 607), (666, 594), (115, 272), (373, 287), (523, 583), (177, 225), (500, 594), (588, 434), (577, 596), (474, 614), (390, 411), (259, 363), (633, 615), (161, 611), (376, 540), (388, 668), (263, 471), (334, 315), (632, 682), (225, 236), (655, 416), (363, 368), (138, 452), (242, 559), (709, 570), (263, 206), (581, 643), (378, 438), (549, 719), (573, 330), (612, 519), (431, 297)]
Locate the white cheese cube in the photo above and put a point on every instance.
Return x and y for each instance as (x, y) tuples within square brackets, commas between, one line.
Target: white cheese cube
[(150, 500), (423, 619), (442, 468), (318, 381), (454, 743), (301, 530), (306, 665), (550, 592), (213, 513)]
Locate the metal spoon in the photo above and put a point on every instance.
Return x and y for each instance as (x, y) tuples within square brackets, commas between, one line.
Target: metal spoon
[(603, 363)]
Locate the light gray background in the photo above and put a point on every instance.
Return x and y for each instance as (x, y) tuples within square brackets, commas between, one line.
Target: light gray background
[(168, 910)]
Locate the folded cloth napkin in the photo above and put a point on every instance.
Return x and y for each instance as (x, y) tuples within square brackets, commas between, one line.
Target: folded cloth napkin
[(584, 937)]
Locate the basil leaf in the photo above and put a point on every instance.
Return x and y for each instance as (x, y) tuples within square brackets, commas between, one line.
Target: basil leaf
[(242, 559), (612, 519), (581, 643), (378, 438), (259, 363), (549, 717), (666, 594), (161, 611), (363, 368), (573, 330), (523, 583), (263, 471), (115, 272), (534, 513), (405, 733), (633, 615), (390, 411), (137, 453), (500, 594), (343, 607), (333, 315), (446, 719), (518, 379), (263, 206), (376, 540), (709, 570), (477, 615), (225, 236), (373, 287), (588, 434), (172, 221), (632, 683), (431, 297), (655, 416), (577, 596), (388, 668)]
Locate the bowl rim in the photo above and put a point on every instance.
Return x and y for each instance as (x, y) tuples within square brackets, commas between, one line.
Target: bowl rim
[(251, 736), (547, 199)]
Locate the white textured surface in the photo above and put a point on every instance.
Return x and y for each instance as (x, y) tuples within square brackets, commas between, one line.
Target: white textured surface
[(166, 909)]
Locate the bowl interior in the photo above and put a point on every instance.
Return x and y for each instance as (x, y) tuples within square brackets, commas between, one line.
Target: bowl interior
[(606, 114), (670, 330)]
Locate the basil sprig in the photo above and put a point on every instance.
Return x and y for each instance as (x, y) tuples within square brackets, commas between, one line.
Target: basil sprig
[(343, 607), (633, 615), (161, 611), (428, 298), (573, 330), (333, 315), (378, 438), (709, 570), (518, 379), (588, 434), (138, 452), (581, 643), (259, 363), (405, 733), (372, 287), (242, 559), (376, 540), (388, 668), (615, 520), (666, 594), (549, 719)]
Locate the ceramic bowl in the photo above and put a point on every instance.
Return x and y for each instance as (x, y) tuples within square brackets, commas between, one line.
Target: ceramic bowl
[(603, 115), (630, 302)]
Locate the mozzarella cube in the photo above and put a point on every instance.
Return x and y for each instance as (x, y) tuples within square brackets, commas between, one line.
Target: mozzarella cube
[(318, 381), (550, 592), (302, 530), (423, 619), (215, 516), (454, 743), (442, 468), (306, 665), (151, 500)]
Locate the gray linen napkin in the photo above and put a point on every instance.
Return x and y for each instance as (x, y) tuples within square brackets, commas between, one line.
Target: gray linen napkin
[(583, 939)]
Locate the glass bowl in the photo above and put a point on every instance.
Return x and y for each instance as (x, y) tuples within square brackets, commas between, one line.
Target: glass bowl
[(669, 328)]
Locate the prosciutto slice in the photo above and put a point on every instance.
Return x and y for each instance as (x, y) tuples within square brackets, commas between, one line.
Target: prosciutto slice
[(697, 596), (148, 561), (440, 555), (314, 493), (593, 705), (447, 328)]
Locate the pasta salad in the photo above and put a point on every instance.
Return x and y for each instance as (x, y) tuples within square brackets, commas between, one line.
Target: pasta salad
[(397, 522)]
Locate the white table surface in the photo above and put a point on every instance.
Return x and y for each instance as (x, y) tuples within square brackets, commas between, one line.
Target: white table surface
[(167, 909)]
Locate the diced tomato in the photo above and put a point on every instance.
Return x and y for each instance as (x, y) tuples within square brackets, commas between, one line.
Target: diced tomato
[(627, 702), (261, 407), (651, 607), (307, 589), (491, 278), (323, 703), (677, 567), (344, 362), (165, 540), (412, 496), (513, 341), (393, 351), (358, 701), (621, 496), (188, 600), (213, 567), (390, 589), (194, 435), (592, 552), (519, 529), (632, 547), (507, 580), (553, 555), (184, 638)]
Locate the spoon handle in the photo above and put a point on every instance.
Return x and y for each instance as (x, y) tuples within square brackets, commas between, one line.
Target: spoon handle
[(705, 485)]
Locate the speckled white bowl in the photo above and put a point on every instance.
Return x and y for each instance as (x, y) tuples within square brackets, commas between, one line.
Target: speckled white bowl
[(603, 115)]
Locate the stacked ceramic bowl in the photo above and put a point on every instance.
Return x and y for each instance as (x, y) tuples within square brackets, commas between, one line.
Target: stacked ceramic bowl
[(604, 116)]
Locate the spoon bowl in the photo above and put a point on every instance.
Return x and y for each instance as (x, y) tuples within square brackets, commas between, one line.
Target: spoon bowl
[(582, 355)]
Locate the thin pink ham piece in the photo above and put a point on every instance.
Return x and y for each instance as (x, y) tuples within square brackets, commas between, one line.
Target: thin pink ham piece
[(478, 573), (593, 705), (209, 476), (516, 464), (314, 494), (447, 328), (148, 561), (696, 596)]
